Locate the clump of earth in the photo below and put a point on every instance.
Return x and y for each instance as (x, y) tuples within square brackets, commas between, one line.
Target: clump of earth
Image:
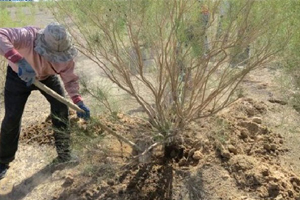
[(232, 155)]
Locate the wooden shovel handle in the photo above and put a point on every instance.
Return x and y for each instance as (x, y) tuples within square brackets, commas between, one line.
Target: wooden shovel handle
[(63, 100)]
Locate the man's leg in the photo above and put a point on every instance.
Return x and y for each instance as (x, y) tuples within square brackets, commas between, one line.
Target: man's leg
[(59, 116), (15, 96)]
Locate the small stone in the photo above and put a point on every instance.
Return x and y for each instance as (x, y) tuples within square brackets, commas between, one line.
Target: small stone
[(251, 140), (279, 197), (182, 162), (273, 147), (189, 152), (102, 185), (89, 193), (244, 133), (95, 191), (273, 188), (257, 120), (259, 138), (122, 188), (197, 155), (290, 193), (232, 149), (284, 185), (295, 180), (263, 192), (226, 154), (265, 130), (56, 196), (281, 141), (265, 171), (225, 177), (69, 180), (267, 147), (110, 182), (206, 142)]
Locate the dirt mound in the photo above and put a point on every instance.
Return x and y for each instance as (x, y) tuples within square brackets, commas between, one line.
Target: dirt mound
[(269, 181), (234, 149), (251, 154), (41, 133)]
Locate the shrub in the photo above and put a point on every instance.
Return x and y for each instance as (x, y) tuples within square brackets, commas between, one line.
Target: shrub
[(188, 62)]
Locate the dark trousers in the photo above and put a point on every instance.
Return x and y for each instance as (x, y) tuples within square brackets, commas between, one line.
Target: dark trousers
[(15, 96)]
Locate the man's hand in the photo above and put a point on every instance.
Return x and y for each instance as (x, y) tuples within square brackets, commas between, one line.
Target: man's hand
[(25, 72), (86, 114)]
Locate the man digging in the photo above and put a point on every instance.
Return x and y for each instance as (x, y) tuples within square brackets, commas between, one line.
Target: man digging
[(41, 54)]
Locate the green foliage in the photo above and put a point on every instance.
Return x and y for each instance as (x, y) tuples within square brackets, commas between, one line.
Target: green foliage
[(16, 14), (83, 134), (13, 15), (5, 5), (289, 59), (188, 80), (292, 53)]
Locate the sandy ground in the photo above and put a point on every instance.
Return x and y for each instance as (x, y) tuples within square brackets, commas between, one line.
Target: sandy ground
[(30, 178)]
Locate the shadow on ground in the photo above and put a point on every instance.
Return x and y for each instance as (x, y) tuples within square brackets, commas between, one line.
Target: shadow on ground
[(151, 181), (27, 186)]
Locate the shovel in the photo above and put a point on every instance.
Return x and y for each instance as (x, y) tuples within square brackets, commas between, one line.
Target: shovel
[(70, 104), (63, 100)]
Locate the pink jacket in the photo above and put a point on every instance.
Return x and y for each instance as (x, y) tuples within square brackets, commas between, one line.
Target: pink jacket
[(22, 40)]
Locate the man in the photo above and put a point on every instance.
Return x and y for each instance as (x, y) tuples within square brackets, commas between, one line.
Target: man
[(41, 54)]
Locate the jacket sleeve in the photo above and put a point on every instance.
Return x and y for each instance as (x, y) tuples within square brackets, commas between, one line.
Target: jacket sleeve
[(71, 82), (12, 39)]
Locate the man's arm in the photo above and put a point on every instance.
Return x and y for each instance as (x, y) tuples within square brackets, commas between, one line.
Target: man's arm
[(12, 39), (71, 83)]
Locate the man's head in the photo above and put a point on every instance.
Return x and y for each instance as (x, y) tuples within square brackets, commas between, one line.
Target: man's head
[(55, 44)]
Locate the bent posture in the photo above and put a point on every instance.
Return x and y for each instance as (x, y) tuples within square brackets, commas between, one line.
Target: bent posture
[(41, 54)]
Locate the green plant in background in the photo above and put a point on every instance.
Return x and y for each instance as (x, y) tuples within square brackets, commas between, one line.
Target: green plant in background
[(194, 70), (290, 59), (101, 92), (13, 15)]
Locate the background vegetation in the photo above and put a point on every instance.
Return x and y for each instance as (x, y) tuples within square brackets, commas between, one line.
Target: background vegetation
[(14, 15)]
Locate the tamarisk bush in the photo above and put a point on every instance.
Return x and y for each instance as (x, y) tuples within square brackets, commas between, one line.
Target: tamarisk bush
[(188, 56)]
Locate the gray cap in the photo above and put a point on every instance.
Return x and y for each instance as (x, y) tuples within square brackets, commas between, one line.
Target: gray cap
[(55, 44)]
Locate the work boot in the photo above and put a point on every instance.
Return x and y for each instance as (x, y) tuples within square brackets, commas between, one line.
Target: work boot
[(3, 170), (64, 157), (62, 162), (63, 149)]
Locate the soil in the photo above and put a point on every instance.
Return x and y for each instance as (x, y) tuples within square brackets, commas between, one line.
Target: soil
[(248, 151)]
